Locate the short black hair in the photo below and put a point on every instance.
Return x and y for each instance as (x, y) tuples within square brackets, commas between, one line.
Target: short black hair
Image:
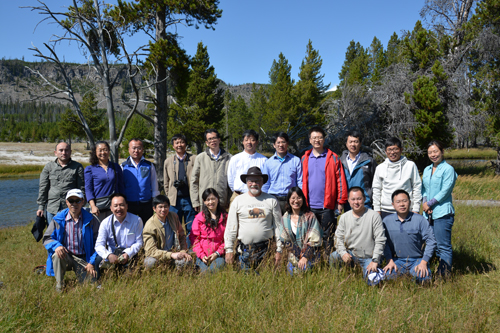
[(136, 139), (250, 132), (317, 129), (393, 142), (116, 195), (355, 134), (398, 192), (179, 136), (282, 135), (160, 199), (436, 143), (355, 189), (211, 130)]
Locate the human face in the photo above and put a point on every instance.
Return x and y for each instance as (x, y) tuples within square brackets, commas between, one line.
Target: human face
[(401, 203), (211, 202), (281, 147), (353, 145), (296, 201), (393, 153), (63, 152), (213, 142), (254, 184), (102, 152), (75, 205), (435, 154), (119, 208), (135, 149), (250, 144), (180, 147), (317, 140), (357, 201), (161, 210)]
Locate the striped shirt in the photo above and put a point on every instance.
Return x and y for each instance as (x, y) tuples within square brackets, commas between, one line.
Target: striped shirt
[(74, 242)]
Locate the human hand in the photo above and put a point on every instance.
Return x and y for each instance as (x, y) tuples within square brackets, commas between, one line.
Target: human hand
[(123, 258), (113, 258), (212, 257), (39, 213), (229, 258), (390, 266), (340, 207), (90, 270), (61, 252), (372, 267), (302, 263), (426, 207), (277, 258), (347, 258), (421, 269), (197, 209), (94, 210), (181, 255)]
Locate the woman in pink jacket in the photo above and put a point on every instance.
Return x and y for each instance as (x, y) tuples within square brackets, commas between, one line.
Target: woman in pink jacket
[(207, 233)]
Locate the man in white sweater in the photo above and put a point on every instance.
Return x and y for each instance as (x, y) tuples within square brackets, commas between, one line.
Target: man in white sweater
[(360, 236), (395, 173), (253, 218)]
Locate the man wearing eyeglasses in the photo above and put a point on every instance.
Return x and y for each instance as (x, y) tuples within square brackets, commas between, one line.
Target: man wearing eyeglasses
[(324, 184), (395, 173), (70, 241)]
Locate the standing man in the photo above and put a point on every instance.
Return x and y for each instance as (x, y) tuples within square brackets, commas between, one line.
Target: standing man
[(406, 233), (177, 173), (324, 184), (141, 185), (56, 179), (359, 167), (360, 236), (284, 170), (243, 161), (210, 171), (396, 173), (70, 240), (253, 218)]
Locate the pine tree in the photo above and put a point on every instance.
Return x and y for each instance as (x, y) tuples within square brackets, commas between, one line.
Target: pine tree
[(258, 108), (393, 50), (378, 60)]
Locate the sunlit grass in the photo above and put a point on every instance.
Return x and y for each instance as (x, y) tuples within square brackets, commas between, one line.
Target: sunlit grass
[(471, 153)]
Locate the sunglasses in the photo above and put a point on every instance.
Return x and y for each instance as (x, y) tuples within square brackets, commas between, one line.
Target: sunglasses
[(74, 201)]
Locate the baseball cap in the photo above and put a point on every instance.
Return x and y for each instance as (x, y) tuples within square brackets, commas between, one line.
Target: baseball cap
[(74, 193)]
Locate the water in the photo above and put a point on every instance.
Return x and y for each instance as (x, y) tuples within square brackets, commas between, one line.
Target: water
[(18, 201)]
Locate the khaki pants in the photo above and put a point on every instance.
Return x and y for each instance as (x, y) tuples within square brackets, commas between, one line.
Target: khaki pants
[(70, 262)]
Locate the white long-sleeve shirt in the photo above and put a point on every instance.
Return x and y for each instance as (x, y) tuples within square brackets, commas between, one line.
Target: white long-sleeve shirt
[(239, 165), (128, 235)]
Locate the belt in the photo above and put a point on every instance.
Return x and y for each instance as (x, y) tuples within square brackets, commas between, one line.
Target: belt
[(254, 245), (279, 197), (238, 192)]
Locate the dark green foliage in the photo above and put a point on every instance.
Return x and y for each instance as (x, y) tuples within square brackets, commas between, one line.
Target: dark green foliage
[(378, 60), (393, 50)]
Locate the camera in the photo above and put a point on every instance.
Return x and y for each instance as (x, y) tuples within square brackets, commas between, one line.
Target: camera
[(179, 183)]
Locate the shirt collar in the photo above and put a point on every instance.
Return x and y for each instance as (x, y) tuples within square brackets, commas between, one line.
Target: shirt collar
[(407, 219), (276, 156), (133, 162), (181, 158), (323, 154), (355, 159), (116, 220), (70, 218), (215, 157)]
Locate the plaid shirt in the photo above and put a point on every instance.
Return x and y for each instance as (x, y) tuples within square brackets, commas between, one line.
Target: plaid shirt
[(74, 242)]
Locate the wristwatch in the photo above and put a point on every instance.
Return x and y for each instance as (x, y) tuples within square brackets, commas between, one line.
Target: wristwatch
[(375, 260)]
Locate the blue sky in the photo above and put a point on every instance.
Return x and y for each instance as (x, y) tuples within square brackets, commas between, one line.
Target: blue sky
[(249, 35)]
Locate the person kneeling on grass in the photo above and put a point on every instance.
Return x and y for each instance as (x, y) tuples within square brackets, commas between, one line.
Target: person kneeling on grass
[(70, 240), (406, 234), (207, 234), (360, 238), (164, 237)]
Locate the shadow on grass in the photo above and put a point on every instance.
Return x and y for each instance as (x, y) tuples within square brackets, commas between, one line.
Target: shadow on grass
[(472, 168), (465, 262)]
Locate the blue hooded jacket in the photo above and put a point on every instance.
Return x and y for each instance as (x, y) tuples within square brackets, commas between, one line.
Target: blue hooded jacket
[(362, 175)]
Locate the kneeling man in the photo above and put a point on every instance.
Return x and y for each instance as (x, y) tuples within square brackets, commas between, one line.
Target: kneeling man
[(360, 237), (406, 234), (163, 236), (70, 240)]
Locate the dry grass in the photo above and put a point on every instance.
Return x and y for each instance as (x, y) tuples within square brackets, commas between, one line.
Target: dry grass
[(471, 153)]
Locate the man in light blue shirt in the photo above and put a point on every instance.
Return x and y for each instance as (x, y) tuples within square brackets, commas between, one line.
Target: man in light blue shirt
[(284, 170)]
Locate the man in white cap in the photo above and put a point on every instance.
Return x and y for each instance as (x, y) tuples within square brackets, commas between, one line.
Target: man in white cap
[(70, 240)]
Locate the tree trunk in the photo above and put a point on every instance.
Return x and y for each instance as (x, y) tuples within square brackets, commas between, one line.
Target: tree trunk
[(497, 166)]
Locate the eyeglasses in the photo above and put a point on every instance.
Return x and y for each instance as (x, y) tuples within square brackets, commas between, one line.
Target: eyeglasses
[(397, 202), (393, 150), (74, 201), (212, 139), (317, 138)]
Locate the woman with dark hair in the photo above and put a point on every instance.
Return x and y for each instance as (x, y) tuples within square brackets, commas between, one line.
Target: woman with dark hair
[(437, 184), (102, 179), (300, 232), (207, 232)]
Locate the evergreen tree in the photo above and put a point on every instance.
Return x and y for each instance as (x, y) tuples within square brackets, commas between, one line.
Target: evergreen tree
[(258, 108), (393, 50), (378, 60)]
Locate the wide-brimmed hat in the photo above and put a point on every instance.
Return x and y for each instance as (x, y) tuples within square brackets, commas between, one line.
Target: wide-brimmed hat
[(254, 171)]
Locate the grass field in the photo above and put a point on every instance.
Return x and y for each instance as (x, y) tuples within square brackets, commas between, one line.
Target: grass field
[(471, 153)]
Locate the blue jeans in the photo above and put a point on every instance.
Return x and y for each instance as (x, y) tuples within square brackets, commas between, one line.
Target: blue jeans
[(50, 216), (215, 265), (407, 266), (336, 258), (183, 208), (442, 231), (291, 269)]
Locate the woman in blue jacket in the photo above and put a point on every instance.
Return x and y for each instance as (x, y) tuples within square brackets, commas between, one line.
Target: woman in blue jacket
[(437, 184)]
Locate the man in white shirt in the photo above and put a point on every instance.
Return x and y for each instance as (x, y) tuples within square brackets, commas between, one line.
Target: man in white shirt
[(121, 232), (243, 161)]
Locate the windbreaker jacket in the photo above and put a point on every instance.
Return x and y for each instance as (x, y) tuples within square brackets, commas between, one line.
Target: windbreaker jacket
[(56, 233), (207, 241), (335, 182), (362, 174), (171, 174), (153, 237), (439, 186)]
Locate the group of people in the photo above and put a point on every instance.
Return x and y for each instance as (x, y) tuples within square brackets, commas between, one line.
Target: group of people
[(249, 205)]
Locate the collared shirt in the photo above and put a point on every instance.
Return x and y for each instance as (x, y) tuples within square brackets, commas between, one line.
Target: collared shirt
[(405, 239), (100, 183), (239, 165), (352, 163), (128, 235), (73, 239), (284, 173), (169, 235), (317, 179), (181, 158), (215, 157), (154, 182)]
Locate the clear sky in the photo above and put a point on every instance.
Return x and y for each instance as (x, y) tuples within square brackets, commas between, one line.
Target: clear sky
[(248, 36)]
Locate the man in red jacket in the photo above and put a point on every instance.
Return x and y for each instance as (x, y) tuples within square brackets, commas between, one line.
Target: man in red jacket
[(324, 184)]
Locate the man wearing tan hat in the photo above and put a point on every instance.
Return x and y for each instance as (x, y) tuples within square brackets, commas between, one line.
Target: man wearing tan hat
[(253, 218)]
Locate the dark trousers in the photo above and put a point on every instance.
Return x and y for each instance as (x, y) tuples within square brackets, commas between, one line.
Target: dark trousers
[(328, 222), (252, 255), (142, 209), (282, 202)]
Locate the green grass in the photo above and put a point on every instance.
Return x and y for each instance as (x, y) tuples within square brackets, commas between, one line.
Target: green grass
[(8, 170), (471, 153), (326, 300)]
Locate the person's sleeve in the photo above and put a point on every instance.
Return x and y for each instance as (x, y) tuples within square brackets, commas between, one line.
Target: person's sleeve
[(429, 239), (166, 179), (194, 236), (230, 173), (134, 248), (417, 189), (448, 183), (221, 247), (100, 244), (182, 235), (340, 241), (265, 171), (341, 182), (387, 248), (150, 248), (299, 173), (377, 191), (154, 182), (120, 183), (95, 231), (80, 179), (194, 187), (43, 190), (50, 241), (89, 184), (379, 236), (232, 227), (276, 224)]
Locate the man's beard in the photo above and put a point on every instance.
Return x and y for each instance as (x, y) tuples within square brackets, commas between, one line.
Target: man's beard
[(255, 191)]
